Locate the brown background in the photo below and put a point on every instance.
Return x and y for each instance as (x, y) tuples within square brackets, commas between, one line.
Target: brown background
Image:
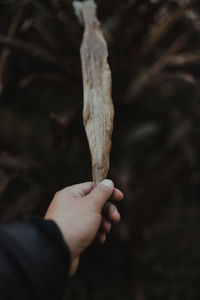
[(155, 61)]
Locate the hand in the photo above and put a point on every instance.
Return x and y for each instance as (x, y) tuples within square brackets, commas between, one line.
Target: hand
[(83, 216)]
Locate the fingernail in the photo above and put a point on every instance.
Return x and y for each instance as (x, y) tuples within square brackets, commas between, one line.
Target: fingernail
[(107, 182)]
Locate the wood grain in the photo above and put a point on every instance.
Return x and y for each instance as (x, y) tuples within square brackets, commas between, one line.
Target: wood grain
[(98, 111)]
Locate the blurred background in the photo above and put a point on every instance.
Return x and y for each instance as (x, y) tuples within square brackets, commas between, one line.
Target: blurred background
[(154, 54)]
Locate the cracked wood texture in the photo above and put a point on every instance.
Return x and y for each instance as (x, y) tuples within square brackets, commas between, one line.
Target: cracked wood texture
[(98, 111)]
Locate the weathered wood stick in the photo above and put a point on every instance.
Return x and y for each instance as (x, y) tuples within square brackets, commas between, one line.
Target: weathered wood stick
[(98, 111)]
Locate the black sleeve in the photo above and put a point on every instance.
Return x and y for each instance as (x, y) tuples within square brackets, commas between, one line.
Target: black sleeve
[(34, 261)]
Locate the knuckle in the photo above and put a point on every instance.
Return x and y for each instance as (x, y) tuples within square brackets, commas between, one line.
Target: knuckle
[(112, 208)]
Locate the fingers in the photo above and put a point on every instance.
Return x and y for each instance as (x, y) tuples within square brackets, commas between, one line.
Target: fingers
[(79, 190), (111, 212), (101, 193), (100, 238), (117, 195), (103, 231), (111, 216), (105, 226)]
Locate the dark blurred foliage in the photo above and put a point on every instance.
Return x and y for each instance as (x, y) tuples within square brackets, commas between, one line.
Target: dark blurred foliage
[(154, 48)]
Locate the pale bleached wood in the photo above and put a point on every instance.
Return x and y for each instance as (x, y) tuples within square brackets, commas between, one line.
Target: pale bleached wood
[(98, 111)]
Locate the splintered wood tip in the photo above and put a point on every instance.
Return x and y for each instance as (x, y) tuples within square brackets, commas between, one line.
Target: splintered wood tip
[(78, 7)]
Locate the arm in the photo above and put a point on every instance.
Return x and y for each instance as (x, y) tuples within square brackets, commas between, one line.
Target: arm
[(37, 257)]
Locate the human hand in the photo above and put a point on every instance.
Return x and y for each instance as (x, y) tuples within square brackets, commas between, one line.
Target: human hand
[(83, 215)]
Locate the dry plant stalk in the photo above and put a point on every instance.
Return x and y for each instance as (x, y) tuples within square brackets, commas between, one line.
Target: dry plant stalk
[(98, 111)]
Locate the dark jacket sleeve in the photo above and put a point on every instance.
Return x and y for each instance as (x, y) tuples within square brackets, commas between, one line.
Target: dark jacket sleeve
[(34, 261)]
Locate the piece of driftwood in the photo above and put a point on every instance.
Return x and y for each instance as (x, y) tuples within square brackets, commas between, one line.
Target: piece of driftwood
[(98, 111)]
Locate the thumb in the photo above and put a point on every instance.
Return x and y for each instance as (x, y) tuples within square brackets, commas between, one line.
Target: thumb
[(101, 193)]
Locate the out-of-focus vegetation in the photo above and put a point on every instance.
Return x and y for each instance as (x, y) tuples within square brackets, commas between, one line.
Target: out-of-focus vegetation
[(154, 48)]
